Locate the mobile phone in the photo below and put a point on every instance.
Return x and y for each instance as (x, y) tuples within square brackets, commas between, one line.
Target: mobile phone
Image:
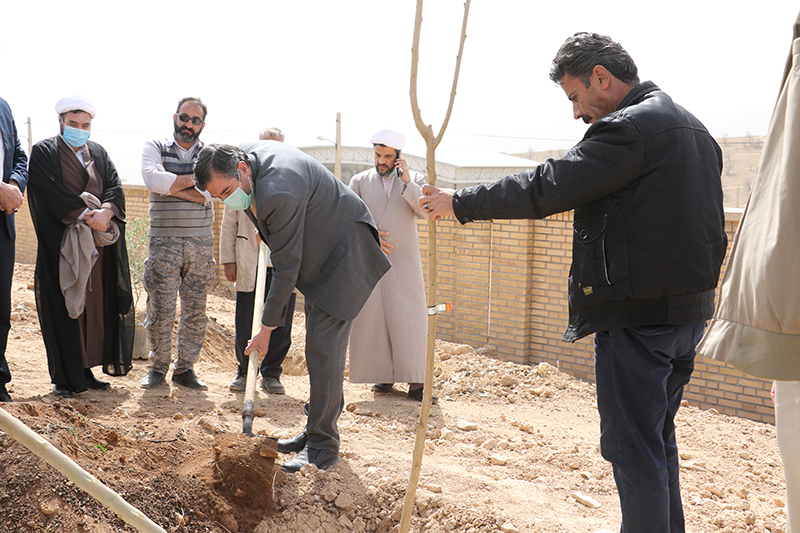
[(396, 167)]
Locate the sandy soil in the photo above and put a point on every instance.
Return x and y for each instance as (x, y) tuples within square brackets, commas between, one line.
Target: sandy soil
[(510, 448)]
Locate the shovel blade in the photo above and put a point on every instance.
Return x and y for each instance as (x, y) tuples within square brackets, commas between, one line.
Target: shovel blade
[(248, 411)]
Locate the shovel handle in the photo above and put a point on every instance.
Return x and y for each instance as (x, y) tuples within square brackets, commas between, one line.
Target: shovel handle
[(252, 366)]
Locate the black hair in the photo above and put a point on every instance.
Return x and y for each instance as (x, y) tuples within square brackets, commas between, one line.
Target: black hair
[(583, 51)]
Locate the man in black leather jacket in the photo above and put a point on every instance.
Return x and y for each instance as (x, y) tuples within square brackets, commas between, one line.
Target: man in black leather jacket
[(649, 239)]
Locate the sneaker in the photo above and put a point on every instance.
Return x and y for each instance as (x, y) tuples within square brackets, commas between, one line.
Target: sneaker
[(272, 385), (240, 383), (381, 387), (416, 394), (189, 379)]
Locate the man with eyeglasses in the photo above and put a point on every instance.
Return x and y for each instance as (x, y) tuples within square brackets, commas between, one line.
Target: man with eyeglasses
[(181, 257)]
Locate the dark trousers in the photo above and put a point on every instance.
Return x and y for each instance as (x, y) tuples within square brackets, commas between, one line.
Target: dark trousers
[(326, 352), (279, 342), (6, 275), (640, 374)]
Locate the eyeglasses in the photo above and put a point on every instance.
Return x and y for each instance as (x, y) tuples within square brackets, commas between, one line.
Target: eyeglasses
[(183, 117)]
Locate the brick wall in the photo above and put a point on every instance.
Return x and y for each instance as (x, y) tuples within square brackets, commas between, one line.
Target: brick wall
[(507, 282), (136, 204)]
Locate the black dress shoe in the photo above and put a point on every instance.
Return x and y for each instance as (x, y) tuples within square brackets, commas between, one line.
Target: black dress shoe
[(417, 395), (295, 444), (5, 397), (189, 379), (94, 383), (62, 391), (152, 380), (322, 458)]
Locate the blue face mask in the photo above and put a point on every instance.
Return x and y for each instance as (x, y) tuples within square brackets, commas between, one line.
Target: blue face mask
[(75, 137), (238, 200)]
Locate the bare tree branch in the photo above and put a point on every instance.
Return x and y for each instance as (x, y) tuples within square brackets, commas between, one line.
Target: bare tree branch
[(455, 75)]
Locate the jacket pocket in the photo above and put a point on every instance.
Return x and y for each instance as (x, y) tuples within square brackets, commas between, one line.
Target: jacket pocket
[(333, 259), (590, 264)]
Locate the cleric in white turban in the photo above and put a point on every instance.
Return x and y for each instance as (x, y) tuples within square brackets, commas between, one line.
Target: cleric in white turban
[(86, 322), (76, 103), (389, 138), (388, 338)]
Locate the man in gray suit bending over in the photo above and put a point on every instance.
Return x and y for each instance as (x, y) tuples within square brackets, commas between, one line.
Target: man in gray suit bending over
[(324, 242)]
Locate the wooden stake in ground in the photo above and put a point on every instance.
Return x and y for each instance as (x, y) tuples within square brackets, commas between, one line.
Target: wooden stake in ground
[(431, 143), (83, 479)]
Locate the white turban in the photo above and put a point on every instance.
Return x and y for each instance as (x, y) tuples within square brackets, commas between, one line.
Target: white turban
[(390, 138), (75, 103)]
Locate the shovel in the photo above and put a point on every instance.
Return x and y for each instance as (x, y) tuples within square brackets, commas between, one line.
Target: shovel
[(248, 411)]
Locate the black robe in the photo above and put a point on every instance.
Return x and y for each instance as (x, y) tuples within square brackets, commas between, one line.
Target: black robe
[(50, 203)]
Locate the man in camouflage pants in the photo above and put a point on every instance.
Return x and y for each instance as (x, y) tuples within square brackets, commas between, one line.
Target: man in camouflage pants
[(181, 258)]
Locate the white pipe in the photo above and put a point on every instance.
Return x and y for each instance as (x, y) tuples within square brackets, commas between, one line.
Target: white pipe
[(491, 257), (83, 479)]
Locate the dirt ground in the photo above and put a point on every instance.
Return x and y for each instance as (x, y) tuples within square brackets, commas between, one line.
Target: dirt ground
[(510, 448)]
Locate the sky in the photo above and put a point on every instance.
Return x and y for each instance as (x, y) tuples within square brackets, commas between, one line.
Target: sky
[(295, 64)]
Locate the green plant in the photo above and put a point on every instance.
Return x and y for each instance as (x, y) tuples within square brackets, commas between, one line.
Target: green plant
[(136, 237)]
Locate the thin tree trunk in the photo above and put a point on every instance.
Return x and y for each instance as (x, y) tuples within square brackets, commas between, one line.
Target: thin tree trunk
[(431, 143)]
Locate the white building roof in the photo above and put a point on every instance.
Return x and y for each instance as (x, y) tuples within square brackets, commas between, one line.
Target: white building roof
[(454, 168)]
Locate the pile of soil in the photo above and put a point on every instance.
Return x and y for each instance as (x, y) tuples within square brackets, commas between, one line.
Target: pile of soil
[(510, 448)]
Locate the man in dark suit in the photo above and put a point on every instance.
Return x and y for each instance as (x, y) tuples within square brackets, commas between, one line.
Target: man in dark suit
[(324, 242), (15, 177)]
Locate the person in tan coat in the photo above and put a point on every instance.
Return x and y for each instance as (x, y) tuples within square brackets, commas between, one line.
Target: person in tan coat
[(389, 335), (756, 326)]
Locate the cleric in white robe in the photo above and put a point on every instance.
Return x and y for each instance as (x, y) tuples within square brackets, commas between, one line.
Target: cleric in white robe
[(389, 336)]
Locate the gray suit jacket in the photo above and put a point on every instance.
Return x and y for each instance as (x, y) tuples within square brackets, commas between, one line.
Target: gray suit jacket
[(322, 236)]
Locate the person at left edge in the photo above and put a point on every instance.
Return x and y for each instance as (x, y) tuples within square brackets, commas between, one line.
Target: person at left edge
[(62, 170), (14, 163)]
